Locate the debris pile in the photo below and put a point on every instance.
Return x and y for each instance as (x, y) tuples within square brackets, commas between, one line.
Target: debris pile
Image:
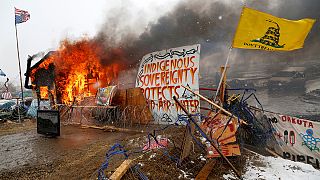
[(163, 154)]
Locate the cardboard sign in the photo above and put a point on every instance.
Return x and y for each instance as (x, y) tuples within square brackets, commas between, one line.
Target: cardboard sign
[(160, 77), (105, 95), (223, 130), (227, 150), (296, 139)]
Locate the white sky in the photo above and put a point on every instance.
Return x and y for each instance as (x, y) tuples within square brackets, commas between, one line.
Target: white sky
[(54, 20)]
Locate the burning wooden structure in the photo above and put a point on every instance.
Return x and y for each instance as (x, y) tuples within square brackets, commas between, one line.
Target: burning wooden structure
[(42, 78), (71, 76), (46, 83)]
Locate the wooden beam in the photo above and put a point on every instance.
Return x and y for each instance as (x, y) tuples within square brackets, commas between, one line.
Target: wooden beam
[(273, 153), (110, 128), (222, 89), (121, 170), (206, 170)]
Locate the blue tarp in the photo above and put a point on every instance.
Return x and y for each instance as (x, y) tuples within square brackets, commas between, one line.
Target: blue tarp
[(7, 105)]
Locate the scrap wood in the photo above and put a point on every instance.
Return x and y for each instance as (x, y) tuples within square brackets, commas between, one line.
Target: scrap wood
[(110, 128), (122, 169), (272, 153), (94, 127), (268, 150), (206, 170)]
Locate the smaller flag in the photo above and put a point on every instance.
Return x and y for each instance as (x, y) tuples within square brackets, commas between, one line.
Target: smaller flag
[(2, 73), (258, 30), (21, 16)]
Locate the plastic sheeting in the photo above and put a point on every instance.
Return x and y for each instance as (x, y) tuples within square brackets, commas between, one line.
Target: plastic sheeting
[(7, 104), (32, 111)]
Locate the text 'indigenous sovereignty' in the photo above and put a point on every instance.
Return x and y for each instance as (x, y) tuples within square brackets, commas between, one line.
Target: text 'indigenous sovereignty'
[(161, 75), (258, 30)]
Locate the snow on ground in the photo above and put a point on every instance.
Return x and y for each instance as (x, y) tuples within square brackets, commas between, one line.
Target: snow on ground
[(261, 167)]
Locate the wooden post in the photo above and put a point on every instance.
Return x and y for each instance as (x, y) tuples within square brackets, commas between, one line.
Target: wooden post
[(230, 49), (223, 83), (209, 138)]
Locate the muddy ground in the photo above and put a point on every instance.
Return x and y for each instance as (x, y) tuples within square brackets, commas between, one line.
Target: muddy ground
[(76, 154)]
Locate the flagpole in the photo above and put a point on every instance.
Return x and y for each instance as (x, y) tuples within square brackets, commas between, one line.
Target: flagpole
[(15, 25), (223, 73), (19, 61), (227, 61)]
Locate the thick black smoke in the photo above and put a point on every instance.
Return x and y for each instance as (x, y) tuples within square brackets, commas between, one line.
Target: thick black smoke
[(187, 24), (212, 24)]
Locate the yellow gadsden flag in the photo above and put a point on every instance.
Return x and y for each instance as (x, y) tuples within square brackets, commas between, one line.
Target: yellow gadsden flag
[(258, 30)]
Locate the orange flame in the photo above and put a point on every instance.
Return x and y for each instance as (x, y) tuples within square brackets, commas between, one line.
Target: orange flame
[(44, 92), (78, 70)]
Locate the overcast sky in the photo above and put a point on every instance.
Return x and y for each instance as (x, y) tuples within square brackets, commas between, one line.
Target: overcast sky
[(54, 20)]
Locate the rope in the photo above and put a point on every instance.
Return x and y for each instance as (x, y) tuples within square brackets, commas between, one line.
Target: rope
[(136, 169), (114, 150)]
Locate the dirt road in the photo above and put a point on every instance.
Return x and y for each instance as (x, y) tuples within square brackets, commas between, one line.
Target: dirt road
[(76, 154)]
